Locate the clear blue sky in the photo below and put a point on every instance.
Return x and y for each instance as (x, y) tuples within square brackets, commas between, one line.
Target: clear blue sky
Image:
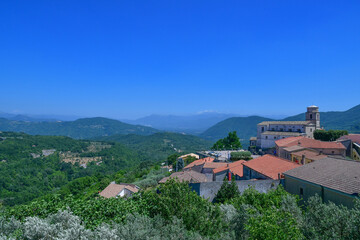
[(126, 59)]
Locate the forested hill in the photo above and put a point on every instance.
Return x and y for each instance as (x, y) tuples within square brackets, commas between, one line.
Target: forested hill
[(345, 120), (160, 145), (244, 126), (80, 129), (31, 166)]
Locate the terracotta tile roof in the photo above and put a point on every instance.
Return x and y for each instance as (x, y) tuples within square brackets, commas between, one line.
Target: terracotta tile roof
[(113, 189), (234, 165), (353, 137), (187, 176), (284, 142), (294, 148), (270, 165), (309, 143), (309, 155), (337, 174), (199, 162), (214, 165)]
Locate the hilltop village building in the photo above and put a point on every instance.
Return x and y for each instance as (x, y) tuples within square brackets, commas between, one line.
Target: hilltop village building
[(270, 131)]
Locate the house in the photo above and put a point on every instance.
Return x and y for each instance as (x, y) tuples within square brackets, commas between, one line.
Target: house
[(186, 176), (234, 168), (333, 179), (267, 167), (352, 144), (306, 156), (208, 167), (197, 165), (285, 147), (119, 190), (270, 131)]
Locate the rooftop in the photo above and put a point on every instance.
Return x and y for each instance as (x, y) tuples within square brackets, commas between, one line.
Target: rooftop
[(214, 165), (353, 137), (186, 176), (286, 122), (270, 165), (308, 143), (337, 174), (113, 189), (294, 148), (309, 155), (199, 162), (235, 167)]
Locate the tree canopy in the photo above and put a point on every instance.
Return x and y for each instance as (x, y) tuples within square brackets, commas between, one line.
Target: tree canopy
[(328, 136), (231, 142)]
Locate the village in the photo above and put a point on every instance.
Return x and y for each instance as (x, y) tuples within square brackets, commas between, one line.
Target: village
[(290, 157)]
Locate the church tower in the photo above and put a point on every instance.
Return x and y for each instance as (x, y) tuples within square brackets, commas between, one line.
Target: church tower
[(313, 116)]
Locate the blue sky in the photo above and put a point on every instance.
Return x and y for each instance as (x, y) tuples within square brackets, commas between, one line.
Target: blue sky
[(127, 59)]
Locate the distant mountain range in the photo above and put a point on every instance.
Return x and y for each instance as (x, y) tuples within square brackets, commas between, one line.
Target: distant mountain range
[(210, 126), (246, 126), (194, 124), (80, 129)]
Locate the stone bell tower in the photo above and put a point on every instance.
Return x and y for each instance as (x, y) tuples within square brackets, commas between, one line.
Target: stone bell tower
[(313, 116)]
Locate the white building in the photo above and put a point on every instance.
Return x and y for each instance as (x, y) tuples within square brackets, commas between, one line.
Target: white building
[(270, 131)]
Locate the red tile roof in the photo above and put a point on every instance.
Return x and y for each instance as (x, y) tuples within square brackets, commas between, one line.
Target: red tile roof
[(310, 155), (270, 165), (284, 142), (353, 137), (214, 165), (199, 162), (186, 176), (112, 190), (234, 165), (308, 143)]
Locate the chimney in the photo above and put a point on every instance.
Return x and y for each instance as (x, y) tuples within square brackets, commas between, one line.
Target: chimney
[(303, 159)]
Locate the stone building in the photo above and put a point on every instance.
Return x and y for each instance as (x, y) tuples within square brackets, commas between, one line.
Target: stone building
[(332, 179), (270, 131)]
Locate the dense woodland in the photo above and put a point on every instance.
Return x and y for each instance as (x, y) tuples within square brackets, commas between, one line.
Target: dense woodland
[(24, 177)]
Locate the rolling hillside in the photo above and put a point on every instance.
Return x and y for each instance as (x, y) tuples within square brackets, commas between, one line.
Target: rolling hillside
[(159, 145), (32, 166), (345, 120), (244, 126), (80, 129)]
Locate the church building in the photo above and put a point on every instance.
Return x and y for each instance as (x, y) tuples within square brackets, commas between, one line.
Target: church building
[(270, 131)]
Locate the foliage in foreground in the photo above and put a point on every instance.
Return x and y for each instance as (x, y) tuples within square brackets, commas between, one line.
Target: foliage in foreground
[(173, 211)]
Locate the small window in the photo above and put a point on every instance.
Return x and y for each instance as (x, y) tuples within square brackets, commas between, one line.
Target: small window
[(290, 130), (301, 191), (262, 129), (266, 137), (310, 116), (310, 129), (273, 129), (332, 152), (281, 129), (274, 137)]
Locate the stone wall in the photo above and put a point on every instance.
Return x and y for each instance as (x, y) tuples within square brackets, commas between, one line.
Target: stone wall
[(208, 190)]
